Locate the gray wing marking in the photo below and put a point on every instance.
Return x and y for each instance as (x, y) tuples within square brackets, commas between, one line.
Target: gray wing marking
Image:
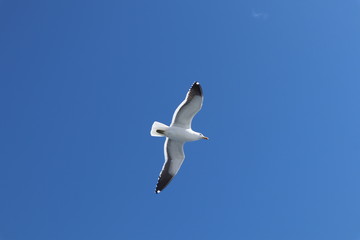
[(174, 157), (186, 111)]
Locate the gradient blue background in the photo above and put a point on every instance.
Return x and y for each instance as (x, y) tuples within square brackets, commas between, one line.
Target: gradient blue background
[(81, 83)]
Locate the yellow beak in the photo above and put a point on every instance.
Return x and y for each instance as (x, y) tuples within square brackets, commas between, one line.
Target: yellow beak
[(205, 138)]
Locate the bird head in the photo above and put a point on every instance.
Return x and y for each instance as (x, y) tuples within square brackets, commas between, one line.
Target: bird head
[(203, 137)]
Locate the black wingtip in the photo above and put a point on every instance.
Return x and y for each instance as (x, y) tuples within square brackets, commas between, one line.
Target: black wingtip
[(196, 88)]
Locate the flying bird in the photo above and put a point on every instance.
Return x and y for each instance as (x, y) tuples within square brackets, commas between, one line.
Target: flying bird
[(178, 133)]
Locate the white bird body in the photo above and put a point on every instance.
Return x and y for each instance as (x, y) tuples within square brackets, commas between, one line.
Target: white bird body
[(181, 134), (177, 134)]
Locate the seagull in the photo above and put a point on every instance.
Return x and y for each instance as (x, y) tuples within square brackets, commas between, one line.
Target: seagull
[(178, 134)]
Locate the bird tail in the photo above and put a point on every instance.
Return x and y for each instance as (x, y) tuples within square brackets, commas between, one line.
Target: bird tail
[(158, 129)]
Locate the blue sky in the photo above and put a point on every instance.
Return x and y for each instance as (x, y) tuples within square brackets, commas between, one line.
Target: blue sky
[(81, 83)]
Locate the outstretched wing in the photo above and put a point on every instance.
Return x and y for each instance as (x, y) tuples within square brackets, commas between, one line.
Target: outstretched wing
[(186, 111), (174, 157)]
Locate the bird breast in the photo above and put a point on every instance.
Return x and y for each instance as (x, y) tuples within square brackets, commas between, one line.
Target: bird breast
[(181, 134)]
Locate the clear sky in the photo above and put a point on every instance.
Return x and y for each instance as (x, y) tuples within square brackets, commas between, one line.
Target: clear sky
[(81, 83)]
